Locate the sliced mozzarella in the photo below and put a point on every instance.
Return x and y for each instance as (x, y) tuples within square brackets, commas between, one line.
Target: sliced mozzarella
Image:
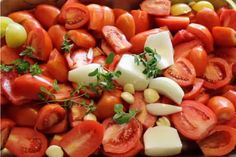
[(167, 87), (161, 42), (162, 141), (131, 73), (80, 74), (160, 109), (54, 151)]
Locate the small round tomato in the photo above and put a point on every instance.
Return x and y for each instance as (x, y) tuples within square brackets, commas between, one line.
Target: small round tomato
[(57, 34), (227, 18), (141, 20), (26, 142), (217, 74), (83, 139), (195, 120), (5, 128), (121, 138), (182, 71), (156, 7), (196, 89), (96, 13), (183, 36), (224, 36), (219, 142), (222, 107)]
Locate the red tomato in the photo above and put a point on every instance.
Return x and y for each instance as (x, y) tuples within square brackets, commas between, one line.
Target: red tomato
[(58, 128), (227, 18), (195, 120), (117, 12), (217, 74), (126, 24), (219, 142), (182, 36), (74, 15), (198, 57), (126, 136), (76, 114), (156, 7), (196, 89), (5, 128), (46, 14), (203, 34), (57, 66), (224, 36), (31, 24), (83, 139), (96, 13), (139, 39), (231, 95), (40, 41), (26, 142), (106, 48), (146, 119), (227, 53), (4, 100), (100, 60), (8, 55), (174, 23), (108, 17), (112, 66), (64, 92), (231, 122), (82, 38), (202, 97), (182, 71), (56, 139), (141, 20), (116, 39), (57, 33), (208, 18)]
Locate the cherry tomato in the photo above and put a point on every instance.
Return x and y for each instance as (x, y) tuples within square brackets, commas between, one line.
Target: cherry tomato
[(182, 36), (208, 18), (116, 39), (83, 139), (57, 34), (126, 136), (224, 36), (196, 89), (195, 120), (108, 17), (126, 24), (146, 119), (8, 55), (96, 13), (156, 7), (182, 71), (26, 142), (219, 142), (231, 95), (198, 57), (141, 20), (217, 74), (31, 24), (203, 34), (5, 129), (106, 48), (46, 14), (57, 66), (174, 23), (222, 107), (117, 12), (227, 18)]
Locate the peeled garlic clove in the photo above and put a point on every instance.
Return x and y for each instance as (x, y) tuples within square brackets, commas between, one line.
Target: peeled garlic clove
[(160, 109)]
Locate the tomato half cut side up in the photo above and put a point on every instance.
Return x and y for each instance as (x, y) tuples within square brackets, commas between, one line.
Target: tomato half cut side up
[(182, 71), (195, 121), (83, 139), (217, 74), (26, 142), (121, 138), (196, 89), (156, 7), (220, 141)]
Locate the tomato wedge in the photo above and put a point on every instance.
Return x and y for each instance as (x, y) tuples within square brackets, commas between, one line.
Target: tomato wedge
[(156, 7), (182, 36), (26, 142), (57, 33), (83, 139), (182, 71), (121, 138), (196, 89), (220, 141), (96, 13)]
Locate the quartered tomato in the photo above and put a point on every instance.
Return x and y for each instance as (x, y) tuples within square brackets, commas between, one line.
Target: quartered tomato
[(217, 74), (195, 120), (121, 138), (83, 140), (156, 7), (182, 71), (26, 142), (5, 129), (227, 18), (182, 36), (219, 142), (196, 89), (141, 20), (57, 34)]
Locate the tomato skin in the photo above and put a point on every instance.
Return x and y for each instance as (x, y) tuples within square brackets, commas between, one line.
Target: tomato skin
[(198, 83), (82, 38), (156, 7), (182, 36), (93, 131), (46, 14), (5, 128), (116, 39), (117, 12), (231, 95), (224, 36), (141, 20), (219, 142), (108, 16), (227, 18), (30, 24), (4, 100), (57, 33), (8, 55), (231, 122), (96, 13), (174, 23), (195, 120), (208, 18), (227, 53)]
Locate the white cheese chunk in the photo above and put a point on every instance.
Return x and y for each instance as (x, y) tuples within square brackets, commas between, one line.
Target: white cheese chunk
[(160, 109)]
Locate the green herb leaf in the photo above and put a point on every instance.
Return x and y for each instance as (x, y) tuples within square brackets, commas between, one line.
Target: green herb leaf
[(28, 51), (35, 69), (67, 45), (121, 117), (21, 66), (6, 68), (110, 58), (93, 73), (55, 85)]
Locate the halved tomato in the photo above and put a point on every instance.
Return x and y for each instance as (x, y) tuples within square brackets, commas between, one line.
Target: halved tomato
[(231, 95), (196, 89), (83, 139), (117, 12), (108, 17), (224, 36), (57, 34), (217, 74), (106, 48), (203, 96), (5, 129), (8, 55), (96, 13), (231, 122), (26, 142), (195, 120), (141, 20), (227, 18), (156, 7), (182, 71), (182, 36), (227, 53), (121, 138)]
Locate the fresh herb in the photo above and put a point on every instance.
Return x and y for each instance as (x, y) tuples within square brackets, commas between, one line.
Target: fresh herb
[(110, 58), (151, 69), (6, 68), (67, 45), (21, 66), (28, 51), (35, 69), (55, 85), (121, 117), (45, 94)]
